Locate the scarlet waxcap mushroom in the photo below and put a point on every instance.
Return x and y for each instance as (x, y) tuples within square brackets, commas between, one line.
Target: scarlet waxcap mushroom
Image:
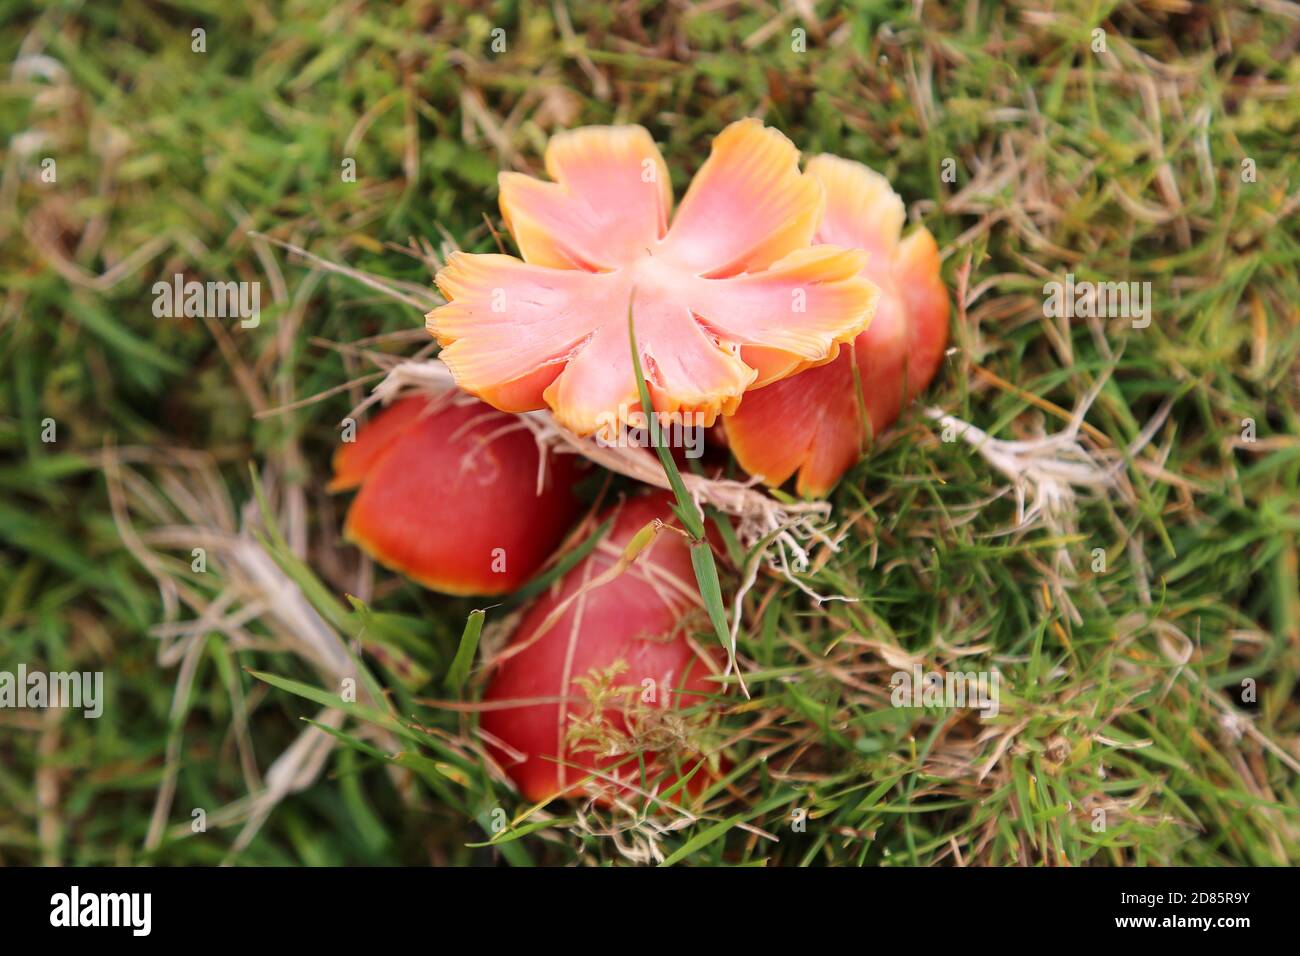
[(449, 495), (728, 297), (630, 631), (811, 422)]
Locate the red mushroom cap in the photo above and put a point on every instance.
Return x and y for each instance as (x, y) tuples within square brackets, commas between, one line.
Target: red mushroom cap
[(632, 629), (449, 495)]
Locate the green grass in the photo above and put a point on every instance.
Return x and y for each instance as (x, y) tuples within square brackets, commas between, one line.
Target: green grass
[(1116, 167)]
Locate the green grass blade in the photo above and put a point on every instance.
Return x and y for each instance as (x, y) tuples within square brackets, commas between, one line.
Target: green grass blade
[(459, 670), (706, 569)]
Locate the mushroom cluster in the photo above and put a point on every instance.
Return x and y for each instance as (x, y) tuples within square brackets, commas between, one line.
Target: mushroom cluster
[(781, 303)]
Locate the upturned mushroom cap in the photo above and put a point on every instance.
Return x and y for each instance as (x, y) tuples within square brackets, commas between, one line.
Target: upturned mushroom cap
[(728, 294)]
